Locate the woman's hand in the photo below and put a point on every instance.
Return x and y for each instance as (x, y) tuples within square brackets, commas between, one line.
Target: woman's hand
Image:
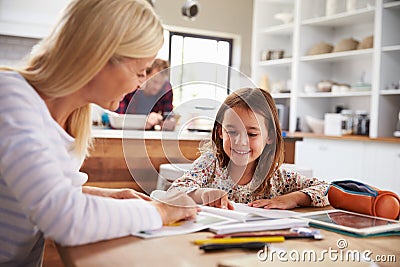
[(176, 207), (124, 193), (127, 193), (288, 201)]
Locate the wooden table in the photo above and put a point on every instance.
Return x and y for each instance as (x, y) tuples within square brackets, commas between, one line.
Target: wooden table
[(180, 251)]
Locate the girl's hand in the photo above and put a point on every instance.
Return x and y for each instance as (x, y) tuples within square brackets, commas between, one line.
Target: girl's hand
[(288, 201), (216, 198)]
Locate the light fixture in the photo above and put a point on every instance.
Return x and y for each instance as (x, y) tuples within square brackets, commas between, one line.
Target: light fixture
[(190, 9)]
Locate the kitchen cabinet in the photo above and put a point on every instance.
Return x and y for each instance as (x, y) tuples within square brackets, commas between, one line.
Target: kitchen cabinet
[(382, 165), (378, 66), (373, 162), (32, 19), (331, 160)]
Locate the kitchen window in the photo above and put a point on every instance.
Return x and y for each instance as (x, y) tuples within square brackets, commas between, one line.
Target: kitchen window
[(193, 74)]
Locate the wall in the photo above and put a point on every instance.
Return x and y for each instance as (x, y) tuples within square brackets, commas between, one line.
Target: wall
[(14, 49), (230, 16), (227, 16)]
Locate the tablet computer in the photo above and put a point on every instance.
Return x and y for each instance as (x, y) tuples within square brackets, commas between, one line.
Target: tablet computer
[(355, 223)]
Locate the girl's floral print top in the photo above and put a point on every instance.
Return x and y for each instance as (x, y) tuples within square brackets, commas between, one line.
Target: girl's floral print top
[(207, 173)]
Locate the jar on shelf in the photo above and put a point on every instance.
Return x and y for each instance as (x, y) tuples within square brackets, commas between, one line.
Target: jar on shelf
[(331, 7), (347, 121), (361, 123)]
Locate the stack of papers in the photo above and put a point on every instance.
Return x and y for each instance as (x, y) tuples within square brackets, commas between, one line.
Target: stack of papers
[(275, 224), (221, 221), (204, 220), (244, 213)]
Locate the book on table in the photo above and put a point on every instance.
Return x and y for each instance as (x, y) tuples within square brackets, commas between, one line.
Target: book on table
[(253, 219), (244, 213), (242, 219), (259, 225)]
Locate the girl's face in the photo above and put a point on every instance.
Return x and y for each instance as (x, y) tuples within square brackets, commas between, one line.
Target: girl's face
[(244, 135), (115, 80)]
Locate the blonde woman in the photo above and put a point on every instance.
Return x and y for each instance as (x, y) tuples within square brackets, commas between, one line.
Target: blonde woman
[(98, 52)]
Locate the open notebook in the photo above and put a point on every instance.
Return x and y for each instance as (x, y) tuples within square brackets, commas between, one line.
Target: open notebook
[(222, 221), (240, 219), (204, 220), (244, 213), (253, 219), (261, 225)]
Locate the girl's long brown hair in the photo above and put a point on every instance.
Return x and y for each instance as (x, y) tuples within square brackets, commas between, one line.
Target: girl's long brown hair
[(259, 101)]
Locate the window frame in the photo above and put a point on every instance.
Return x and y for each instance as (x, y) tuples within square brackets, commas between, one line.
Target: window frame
[(208, 37)]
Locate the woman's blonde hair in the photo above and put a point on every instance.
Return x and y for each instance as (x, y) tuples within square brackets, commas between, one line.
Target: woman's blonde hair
[(261, 102), (89, 34)]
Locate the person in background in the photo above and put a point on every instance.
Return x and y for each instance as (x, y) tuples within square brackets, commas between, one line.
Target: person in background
[(97, 53), (243, 161), (153, 98)]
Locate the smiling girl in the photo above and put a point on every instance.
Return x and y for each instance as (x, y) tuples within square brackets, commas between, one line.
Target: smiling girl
[(243, 161)]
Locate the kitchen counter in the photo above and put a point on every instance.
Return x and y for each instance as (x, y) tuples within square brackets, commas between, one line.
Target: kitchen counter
[(119, 155), (147, 135), (164, 135), (345, 137)]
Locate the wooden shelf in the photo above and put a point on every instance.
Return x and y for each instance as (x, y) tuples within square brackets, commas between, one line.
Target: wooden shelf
[(390, 92), (378, 66), (329, 94), (342, 19), (390, 48), (392, 5), (283, 29), (340, 56), (284, 62)]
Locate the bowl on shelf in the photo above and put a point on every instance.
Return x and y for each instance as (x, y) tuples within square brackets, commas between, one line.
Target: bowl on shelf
[(325, 86), (127, 121), (320, 48), (285, 17), (346, 44), (316, 125)]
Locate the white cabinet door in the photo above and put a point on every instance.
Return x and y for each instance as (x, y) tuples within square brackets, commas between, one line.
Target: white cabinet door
[(382, 165), (331, 159)]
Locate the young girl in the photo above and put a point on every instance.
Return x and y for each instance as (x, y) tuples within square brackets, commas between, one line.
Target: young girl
[(242, 163)]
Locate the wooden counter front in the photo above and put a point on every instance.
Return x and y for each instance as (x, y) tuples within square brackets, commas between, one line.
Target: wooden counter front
[(107, 166)]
